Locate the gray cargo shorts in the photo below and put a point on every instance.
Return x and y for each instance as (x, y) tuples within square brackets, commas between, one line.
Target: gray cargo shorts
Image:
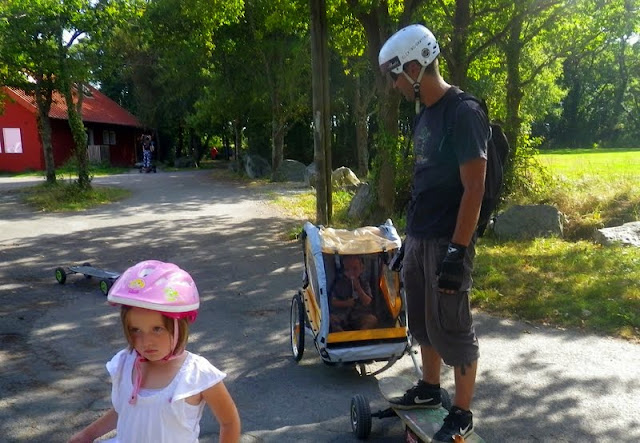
[(437, 319)]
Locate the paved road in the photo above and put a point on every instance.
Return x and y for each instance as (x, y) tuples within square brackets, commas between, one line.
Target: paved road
[(534, 384)]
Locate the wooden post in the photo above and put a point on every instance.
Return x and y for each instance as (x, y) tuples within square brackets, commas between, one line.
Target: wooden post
[(321, 127)]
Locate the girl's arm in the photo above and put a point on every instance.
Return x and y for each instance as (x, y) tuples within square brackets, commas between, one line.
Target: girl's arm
[(98, 428), (224, 410)]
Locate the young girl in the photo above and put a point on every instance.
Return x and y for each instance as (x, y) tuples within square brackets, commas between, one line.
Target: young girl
[(158, 389)]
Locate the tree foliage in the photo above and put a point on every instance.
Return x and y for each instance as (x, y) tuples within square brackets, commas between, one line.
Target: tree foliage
[(555, 72)]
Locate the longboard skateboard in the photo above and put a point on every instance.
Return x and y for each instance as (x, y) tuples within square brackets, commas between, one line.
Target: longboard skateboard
[(106, 277), (420, 424)]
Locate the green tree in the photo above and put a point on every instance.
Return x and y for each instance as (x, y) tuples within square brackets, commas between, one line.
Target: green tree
[(280, 36), (28, 30), (47, 47)]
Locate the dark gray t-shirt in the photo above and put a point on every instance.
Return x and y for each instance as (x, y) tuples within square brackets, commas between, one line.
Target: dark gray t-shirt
[(437, 188)]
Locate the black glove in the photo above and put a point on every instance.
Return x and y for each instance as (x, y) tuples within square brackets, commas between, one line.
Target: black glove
[(396, 262), (451, 270)]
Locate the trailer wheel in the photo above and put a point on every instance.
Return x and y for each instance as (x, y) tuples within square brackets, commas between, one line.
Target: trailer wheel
[(360, 417), (61, 275), (297, 328)]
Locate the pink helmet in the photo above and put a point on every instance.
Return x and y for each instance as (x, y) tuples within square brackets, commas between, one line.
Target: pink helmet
[(157, 286)]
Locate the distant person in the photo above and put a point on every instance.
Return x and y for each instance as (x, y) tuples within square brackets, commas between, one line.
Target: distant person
[(147, 149), (214, 153), (351, 299), (159, 390)]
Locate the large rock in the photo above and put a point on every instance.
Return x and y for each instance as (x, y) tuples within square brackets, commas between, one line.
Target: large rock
[(256, 166), (310, 174), (341, 178), (290, 171), (344, 177), (361, 203), (528, 221), (627, 234)]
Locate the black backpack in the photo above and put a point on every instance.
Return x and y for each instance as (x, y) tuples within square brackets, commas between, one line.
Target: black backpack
[(497, 156)]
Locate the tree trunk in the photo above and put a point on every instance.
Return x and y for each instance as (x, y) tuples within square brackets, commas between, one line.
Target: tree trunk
[(513, 53), (278, 132), (237, 129), (386, 186), (457, 62), (362, 132), (77, 132), (43, 96), (321, 127)]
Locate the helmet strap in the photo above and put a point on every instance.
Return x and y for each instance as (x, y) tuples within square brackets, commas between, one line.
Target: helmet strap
[(416, 88)]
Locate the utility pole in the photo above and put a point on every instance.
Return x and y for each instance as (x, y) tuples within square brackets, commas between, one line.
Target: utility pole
[(321, 116)]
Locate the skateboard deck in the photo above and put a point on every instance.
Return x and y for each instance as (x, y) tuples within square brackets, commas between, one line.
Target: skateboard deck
[(107, 278), (94, 272), (424, 423)]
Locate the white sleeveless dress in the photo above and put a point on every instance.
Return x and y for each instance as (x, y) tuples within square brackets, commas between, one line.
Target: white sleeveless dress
[(160, 415)]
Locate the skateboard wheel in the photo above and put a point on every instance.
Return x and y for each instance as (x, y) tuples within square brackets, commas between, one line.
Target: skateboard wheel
[(297, 328), (360, 417), (105, 285), (61, 276)]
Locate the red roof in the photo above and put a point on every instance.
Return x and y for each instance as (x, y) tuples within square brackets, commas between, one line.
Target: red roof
[(96, 107)]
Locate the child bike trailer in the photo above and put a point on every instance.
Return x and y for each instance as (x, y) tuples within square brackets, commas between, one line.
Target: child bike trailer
[(314, 311)]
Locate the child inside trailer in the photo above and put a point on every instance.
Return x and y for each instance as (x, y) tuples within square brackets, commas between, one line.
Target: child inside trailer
[(351, 299)]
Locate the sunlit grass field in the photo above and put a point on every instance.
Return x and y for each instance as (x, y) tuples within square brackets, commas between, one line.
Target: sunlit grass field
[(565, 283), (605, 165)]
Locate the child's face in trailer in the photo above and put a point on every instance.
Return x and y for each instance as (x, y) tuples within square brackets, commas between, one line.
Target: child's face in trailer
[(352, 267), (150, 337)]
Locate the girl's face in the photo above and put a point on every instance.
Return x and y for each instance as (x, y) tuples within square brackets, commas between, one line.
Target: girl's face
[(148, 333), (352, 267)]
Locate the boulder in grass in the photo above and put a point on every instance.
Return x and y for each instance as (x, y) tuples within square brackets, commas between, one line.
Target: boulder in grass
[(360, 205), (344, 178), (310, 175), (256, 166), (628, 234), (290, 171), (529, 221)]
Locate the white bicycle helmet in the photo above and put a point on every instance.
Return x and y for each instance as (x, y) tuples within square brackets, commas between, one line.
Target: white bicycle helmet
[(414, 42)]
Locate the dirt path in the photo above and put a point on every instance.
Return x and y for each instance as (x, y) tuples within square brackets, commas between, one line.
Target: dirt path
[(534, 384)]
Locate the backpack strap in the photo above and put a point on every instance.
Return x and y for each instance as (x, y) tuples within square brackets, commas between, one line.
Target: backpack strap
[(452, 108)]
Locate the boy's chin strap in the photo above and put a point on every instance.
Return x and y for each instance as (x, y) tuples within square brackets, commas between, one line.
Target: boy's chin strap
[(140, 359)]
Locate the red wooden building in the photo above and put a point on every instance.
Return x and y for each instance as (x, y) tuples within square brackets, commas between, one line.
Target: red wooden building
[(112, 131)]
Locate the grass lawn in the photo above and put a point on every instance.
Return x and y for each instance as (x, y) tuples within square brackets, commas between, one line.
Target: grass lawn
[(566, 283), (600, 164), (64, 196)]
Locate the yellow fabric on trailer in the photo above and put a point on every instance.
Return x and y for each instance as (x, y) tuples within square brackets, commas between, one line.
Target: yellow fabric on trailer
[(369, 334), (313, 310), (365, 240)]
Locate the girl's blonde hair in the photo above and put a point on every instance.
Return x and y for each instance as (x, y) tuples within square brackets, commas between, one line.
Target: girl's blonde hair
[(183, 329)]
